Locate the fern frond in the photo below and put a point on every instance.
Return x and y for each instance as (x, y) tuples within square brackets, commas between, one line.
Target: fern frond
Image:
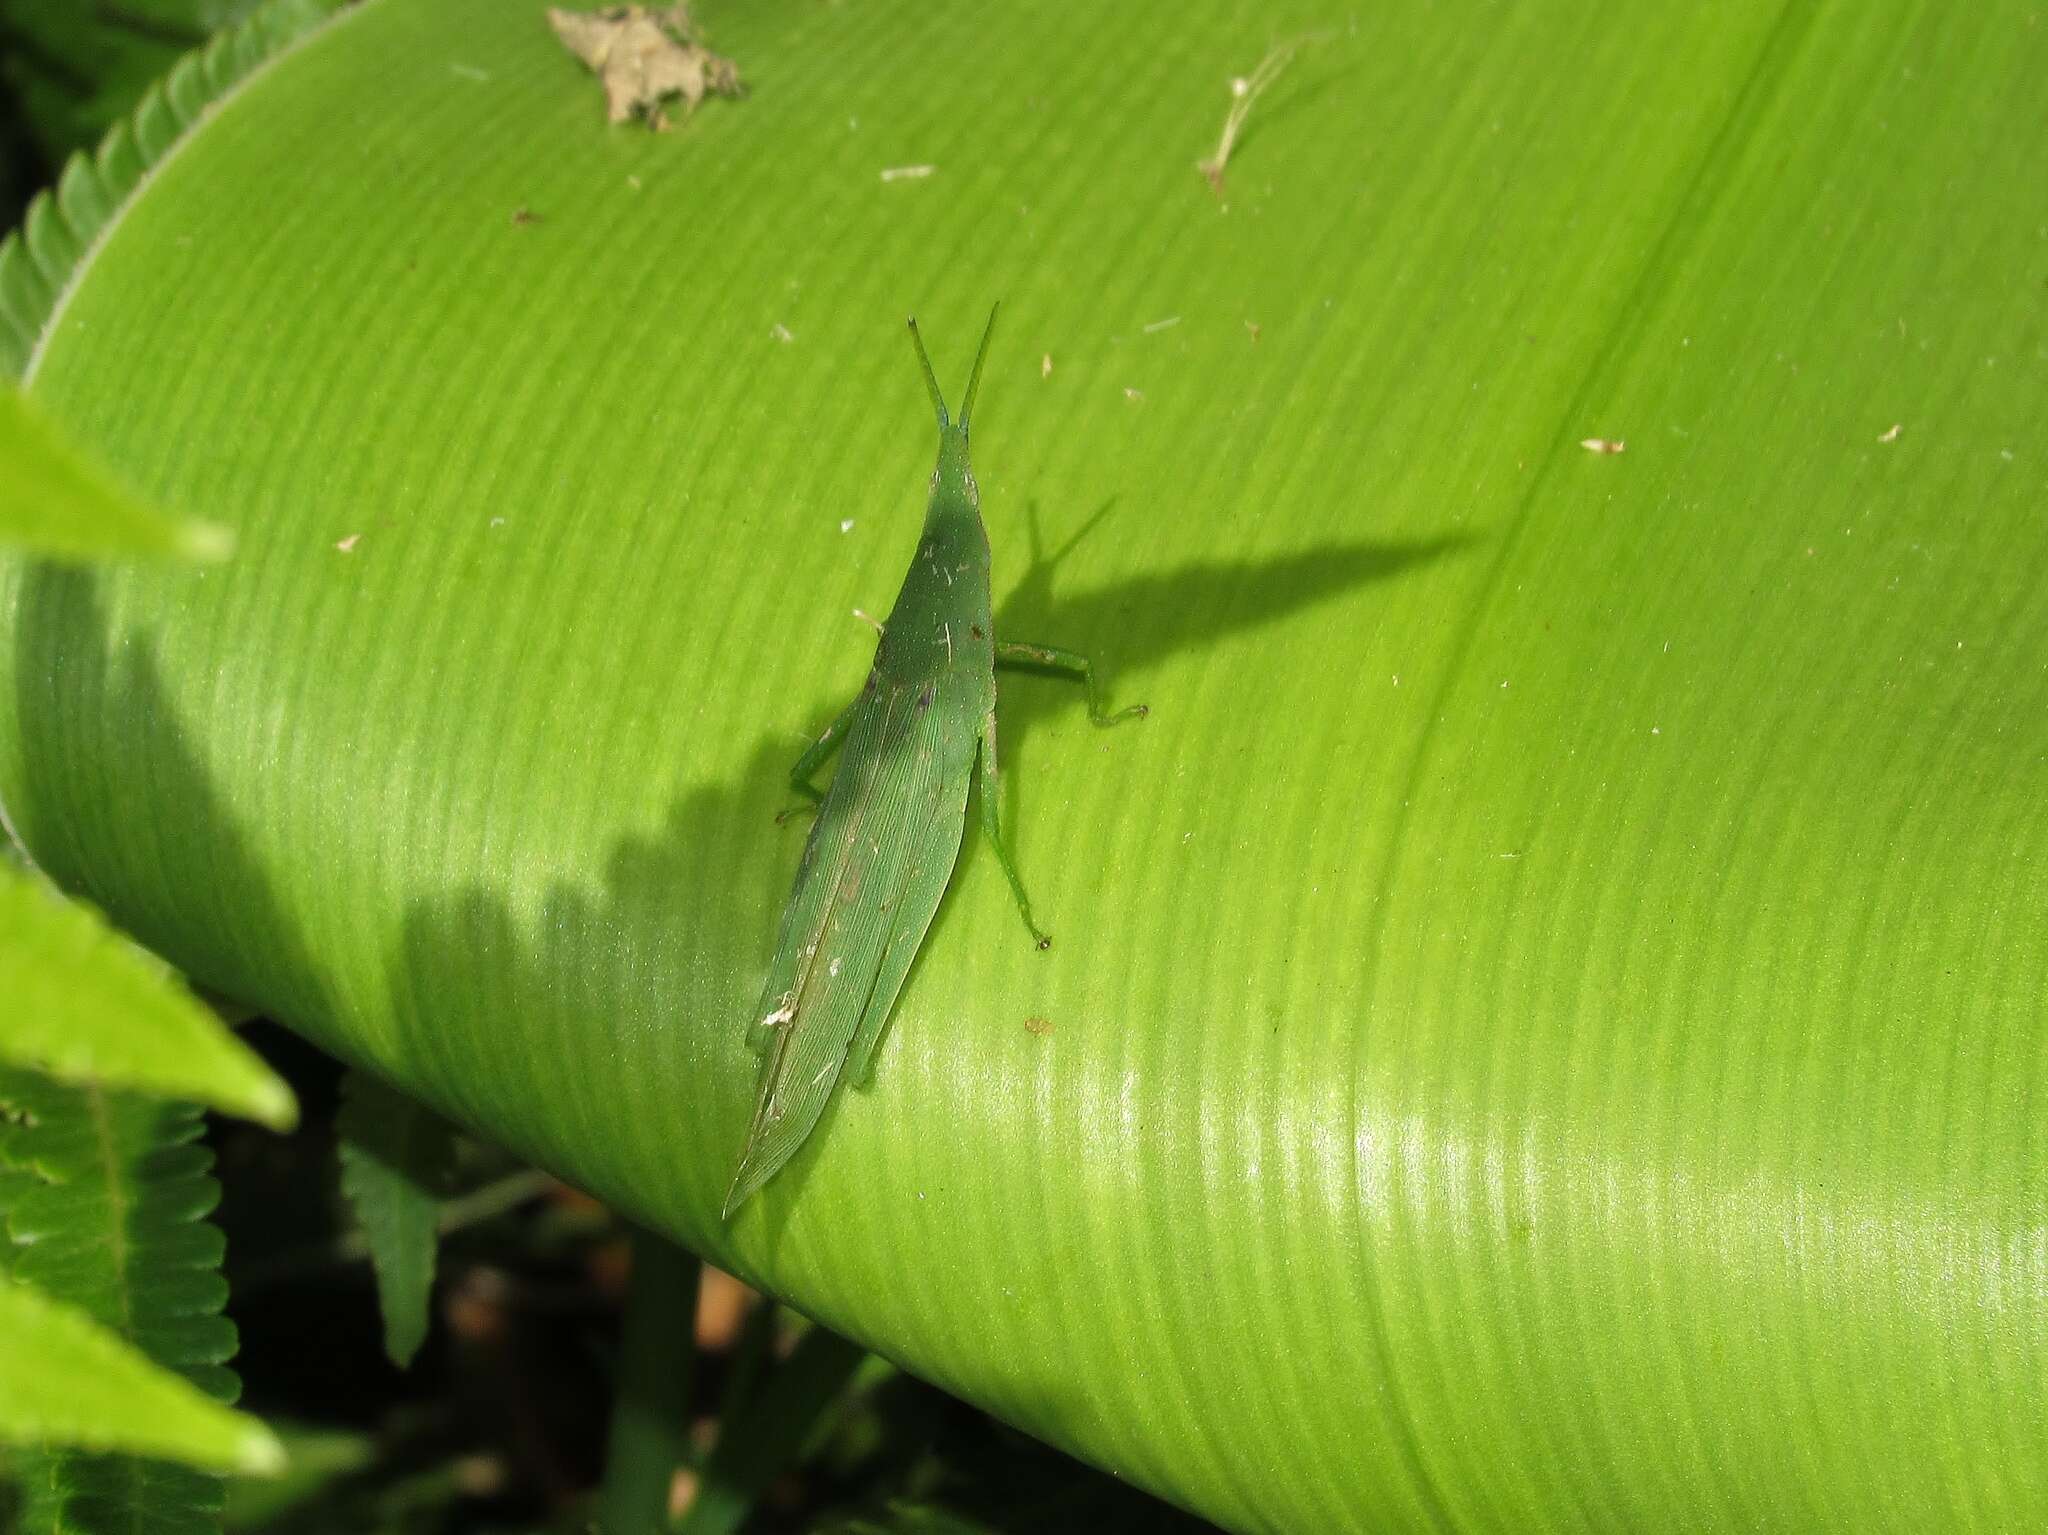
[(106, 1202), (90, 1005), (396, 1155), (39, 261)]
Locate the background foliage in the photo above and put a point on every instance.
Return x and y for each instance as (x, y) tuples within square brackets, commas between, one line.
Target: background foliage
[(1547, 1009)]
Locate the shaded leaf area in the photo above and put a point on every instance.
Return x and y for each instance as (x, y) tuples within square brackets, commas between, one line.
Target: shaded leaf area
[(88, 1005), (105, 1198), (396, 1159)]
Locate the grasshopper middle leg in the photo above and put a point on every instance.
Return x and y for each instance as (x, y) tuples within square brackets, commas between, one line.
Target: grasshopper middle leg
[(815, 756), (1070, 663)]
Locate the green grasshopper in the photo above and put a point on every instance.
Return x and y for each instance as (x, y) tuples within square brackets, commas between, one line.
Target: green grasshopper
[(888, 828)]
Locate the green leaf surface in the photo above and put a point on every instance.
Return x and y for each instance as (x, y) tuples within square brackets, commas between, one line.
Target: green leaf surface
[(105, 1198), (1545, 1027), (66, 1380), (55, 502), (395, 1161), (86, 1005)]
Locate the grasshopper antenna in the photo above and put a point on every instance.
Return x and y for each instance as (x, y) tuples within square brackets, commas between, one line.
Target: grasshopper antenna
[(974, 378), (931, 379)]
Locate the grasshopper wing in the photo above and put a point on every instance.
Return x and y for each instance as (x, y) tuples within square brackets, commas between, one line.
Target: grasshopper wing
[(877, 862)]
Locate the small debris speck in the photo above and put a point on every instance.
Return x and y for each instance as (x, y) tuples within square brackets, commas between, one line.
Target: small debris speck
[(1045, 366), (846, 524), (633, 182), (1892, 435), (1039, 1026), (497, 522), (522, 216), (1159, 325), (348, 545), (468, 72), (1603, 445), (1254, 327), (780, 333), (908, 172), (1133, 394)]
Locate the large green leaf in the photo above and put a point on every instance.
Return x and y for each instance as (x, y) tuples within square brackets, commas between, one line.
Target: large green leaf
[(1546, 1026)]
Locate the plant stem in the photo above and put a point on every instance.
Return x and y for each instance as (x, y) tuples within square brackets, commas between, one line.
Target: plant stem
[(657, 1356), (768, 1431)]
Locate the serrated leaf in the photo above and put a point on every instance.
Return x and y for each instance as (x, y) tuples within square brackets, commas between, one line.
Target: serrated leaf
[(106, 1202), (85, 1004), (74, 68), (37, 264), (55, 502), (395, 1159), (66, 1380)]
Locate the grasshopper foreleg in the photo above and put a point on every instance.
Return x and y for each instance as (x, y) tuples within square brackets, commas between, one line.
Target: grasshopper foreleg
[(1069, 663), (992, 827), (815, 756)]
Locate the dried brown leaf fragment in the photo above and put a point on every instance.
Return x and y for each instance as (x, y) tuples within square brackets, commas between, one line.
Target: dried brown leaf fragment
[(645, 56)]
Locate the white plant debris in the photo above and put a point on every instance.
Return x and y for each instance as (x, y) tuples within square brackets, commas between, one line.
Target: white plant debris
[(645, 57)]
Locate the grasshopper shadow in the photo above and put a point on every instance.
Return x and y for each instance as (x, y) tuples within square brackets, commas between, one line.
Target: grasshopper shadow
[(1131, 628)]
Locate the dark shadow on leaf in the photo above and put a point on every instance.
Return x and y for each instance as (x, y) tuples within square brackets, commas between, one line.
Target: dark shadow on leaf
[(142, 834)]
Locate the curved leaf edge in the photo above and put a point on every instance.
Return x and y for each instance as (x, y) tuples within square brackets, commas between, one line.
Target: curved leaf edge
[(40, 260)]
